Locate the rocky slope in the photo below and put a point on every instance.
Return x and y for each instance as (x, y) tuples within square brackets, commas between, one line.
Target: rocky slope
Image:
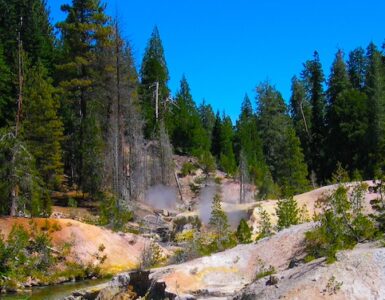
[(123, 250), (357, 274)]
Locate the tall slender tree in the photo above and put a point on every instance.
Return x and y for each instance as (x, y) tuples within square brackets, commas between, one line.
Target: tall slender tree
[(85, 33), (313, 78), (281, 146), (153, 82)]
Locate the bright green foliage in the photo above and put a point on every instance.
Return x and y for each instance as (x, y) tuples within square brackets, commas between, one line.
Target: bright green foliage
[(265, 226), (42, 128), (375, 90), (281, 146), (379, 204), (85, 35), (20, 183), (187, 132), (243, 232), (207, 162), (341, 224), (218, 219), (153, 69), (288, 213), (340, 175)]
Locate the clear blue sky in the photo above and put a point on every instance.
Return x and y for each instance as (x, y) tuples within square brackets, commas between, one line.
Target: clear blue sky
[(226, 47)]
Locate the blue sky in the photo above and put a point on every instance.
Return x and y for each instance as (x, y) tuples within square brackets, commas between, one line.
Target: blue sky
[(226, 47)]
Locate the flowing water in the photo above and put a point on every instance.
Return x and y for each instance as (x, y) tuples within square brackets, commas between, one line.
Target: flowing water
[(54, 292)]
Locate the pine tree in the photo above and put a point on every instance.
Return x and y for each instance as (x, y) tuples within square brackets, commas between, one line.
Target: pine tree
[(31, 18), (300, 112), (6, 99), (338, 84), (153, 69), (357, 68), (287, 212), (243, 232), (313, 78), (218, 219), (216, 136), (226, 156), (375, 90), (187, 132), (42, 128), (21, 189), (281, 146), (249, 143), (85, 34), (207, 117)]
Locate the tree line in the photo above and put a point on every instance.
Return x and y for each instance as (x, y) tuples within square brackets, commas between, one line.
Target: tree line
[(75, 113)]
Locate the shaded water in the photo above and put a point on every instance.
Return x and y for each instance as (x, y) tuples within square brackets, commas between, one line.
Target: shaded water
[(55, 292)]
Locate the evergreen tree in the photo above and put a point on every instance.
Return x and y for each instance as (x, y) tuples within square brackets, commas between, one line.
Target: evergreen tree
[(218, 219), (31, 19), (6, 99), (313, 79), (188, 134), (153, 69), (281, 146), (338, 84), (226, 156), (85, 34), (21, 190), (243, 232), (216, 136), (357, 68), (42, 128), (300, 112), (375, 90), (287, 212), (249, 143), (207, 117)]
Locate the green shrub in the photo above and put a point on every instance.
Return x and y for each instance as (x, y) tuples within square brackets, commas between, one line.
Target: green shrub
[(265, 226), (243, 232), (188, 168), (341, 224), (113, 214), (287, 212)]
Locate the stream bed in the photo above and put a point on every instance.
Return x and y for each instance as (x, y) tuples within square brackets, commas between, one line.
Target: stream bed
[(54, 292)]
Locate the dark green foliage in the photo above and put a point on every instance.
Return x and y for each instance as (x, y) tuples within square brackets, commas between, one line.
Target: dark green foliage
[(188, 168), (313, 78), (375, 90), (36, 31), (187, 132), (216, 136), (21, 188), (112, 215), (248, 145), (281, 146), (288, 213), (153, 69), (357, 68), (84, 36), (243, 232), (207, 162), (226, 157), (6, 99), (42, 128), (341, 224)]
